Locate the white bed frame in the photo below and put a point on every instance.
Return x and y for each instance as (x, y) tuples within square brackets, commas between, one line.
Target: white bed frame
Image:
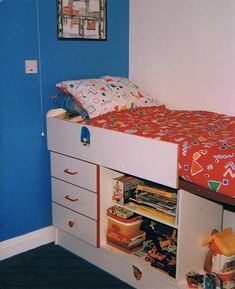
[(115, 153), (117, 150)]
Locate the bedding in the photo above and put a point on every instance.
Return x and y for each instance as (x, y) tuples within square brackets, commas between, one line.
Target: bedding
[(206, 140), (98, 96)]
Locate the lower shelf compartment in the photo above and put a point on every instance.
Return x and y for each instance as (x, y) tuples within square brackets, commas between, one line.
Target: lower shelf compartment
[(153, 242), (118, 263), (149, 257)]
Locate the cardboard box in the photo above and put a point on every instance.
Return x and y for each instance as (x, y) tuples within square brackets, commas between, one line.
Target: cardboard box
[(128, 244), (124, 188)]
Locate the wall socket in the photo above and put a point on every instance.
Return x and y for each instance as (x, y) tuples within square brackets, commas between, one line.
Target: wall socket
[(31, 66)]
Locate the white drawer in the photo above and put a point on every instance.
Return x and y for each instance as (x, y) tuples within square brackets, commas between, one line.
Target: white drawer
[(75, 224), (75, 198), (74, 171)]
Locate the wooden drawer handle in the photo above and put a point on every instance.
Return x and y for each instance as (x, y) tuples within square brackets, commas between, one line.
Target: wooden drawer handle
[(71, 224), (67, 197), (67, 171)]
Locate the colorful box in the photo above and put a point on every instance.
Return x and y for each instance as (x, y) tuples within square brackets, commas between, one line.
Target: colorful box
[(128, 244), (121, 212), (126, 227), (124, 188)]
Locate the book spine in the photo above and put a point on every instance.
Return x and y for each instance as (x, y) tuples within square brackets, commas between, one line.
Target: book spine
[(157, 191)]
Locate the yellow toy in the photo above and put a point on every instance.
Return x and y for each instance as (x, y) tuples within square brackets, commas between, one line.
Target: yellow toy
[(221, 255)]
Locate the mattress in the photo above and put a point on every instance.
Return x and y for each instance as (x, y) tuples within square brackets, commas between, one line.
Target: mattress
[(206, 141)]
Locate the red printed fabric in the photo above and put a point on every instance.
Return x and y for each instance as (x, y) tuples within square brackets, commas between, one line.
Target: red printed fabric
[(206, 141)]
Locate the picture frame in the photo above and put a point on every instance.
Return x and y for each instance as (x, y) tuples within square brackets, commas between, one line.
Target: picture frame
[(81, 19)]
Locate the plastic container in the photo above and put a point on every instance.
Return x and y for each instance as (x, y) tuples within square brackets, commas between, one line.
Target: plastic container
[(126, 227)]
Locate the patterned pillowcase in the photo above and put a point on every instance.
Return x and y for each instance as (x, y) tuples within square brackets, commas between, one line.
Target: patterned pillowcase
[(130, 93), (106, 94), (90, 94)]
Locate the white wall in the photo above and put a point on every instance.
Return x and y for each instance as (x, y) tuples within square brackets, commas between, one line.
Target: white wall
[(184, 52)]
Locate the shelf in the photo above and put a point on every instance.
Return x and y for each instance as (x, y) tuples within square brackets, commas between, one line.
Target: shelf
[(138, 262), (155, 215)]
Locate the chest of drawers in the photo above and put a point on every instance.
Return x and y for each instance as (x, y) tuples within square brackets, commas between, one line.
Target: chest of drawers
[(75, 197)]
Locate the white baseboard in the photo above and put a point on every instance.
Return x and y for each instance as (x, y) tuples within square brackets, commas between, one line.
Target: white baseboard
[(26, 242)]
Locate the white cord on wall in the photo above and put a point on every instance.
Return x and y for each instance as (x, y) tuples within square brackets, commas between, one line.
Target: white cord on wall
[(40, 73)]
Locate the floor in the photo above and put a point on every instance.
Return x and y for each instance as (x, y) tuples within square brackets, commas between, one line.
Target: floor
[(52, 267)]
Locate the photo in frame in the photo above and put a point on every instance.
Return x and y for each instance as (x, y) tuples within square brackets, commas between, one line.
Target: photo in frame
[(81, 19)]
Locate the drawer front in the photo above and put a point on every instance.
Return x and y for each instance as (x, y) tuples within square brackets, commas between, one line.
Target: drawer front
[(74, 171), (75, 198), (75, 224)]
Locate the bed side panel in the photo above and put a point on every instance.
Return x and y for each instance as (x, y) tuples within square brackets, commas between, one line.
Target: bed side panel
[(143, 157)]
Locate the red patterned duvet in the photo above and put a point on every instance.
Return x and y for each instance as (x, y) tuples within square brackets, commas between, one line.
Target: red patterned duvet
[(206, 141)]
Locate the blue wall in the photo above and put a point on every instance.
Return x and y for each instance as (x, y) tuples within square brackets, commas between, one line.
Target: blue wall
[(25, 194)]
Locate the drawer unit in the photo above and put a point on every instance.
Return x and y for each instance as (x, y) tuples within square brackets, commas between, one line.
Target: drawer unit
[(74, 171), (75, 198), (75, 224)]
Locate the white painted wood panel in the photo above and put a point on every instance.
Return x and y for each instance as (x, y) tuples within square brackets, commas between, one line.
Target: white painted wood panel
[(75, 198), (229, 220), (26, 242), (197, 218), (143, 157), (75, 224), (74, 171)]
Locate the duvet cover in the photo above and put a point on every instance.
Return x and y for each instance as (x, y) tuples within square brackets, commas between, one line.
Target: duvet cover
[(206, 140)]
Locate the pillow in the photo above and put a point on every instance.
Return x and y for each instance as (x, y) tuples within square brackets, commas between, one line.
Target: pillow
[(90, 94), (106, 94), (67, 102), (134, 95)]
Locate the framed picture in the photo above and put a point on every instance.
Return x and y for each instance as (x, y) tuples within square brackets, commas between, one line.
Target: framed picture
[(81, 19)]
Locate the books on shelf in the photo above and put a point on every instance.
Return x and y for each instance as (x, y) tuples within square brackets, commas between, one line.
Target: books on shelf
[(123, 188), (162, 204), (158, 190), (146, 197), (151, 212)]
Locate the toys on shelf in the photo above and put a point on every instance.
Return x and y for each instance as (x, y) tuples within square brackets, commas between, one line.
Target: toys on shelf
[(155, 242), (130, 227), (219, 264), (220, 258), (124, 229), (162, 254), (195, 280)]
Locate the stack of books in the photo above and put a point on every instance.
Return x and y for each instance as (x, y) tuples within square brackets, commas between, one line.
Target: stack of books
[(123, 188), (155, 201)]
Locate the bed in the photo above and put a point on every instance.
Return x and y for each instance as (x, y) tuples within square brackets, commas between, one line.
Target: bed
[(107, 127), (198, 145)]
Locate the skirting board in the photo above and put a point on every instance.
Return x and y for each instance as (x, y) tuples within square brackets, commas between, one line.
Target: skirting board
[(26, 242)]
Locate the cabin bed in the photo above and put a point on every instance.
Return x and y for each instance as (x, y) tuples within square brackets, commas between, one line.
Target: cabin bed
[(192, 151), (205, 140)]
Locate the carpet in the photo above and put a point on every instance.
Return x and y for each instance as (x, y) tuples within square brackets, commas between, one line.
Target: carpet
[(52, 267)]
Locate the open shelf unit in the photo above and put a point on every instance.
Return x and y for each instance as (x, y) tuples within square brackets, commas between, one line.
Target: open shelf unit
[(204, 215)]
